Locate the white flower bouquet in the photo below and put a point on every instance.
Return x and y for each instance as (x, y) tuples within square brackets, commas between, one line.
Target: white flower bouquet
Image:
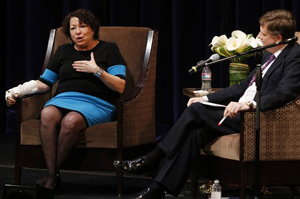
[(238, 43)]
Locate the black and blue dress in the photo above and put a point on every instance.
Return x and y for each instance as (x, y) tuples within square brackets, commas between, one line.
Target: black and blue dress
[(84, 92)]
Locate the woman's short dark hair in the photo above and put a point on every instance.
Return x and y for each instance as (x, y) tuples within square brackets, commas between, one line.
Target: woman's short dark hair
[(84, 16)]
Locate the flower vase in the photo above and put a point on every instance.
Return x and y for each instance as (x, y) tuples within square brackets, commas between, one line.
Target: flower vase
[(237, 72)]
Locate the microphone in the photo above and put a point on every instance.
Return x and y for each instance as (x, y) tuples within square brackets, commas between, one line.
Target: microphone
[(202, 63), (289, 40)]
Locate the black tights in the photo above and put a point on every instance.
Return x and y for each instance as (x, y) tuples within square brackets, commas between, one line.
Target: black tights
[(59, 133)]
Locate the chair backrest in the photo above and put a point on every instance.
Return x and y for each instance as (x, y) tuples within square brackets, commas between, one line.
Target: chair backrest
[(135, 46)]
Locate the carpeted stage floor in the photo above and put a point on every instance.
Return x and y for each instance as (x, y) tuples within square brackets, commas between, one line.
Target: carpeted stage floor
[(81, 185)]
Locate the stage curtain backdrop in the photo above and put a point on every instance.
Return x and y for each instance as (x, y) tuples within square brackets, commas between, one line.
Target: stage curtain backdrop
[(185, 31)]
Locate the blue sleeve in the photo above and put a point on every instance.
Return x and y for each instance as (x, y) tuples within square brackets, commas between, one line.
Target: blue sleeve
[(48, 77), (117, 70)]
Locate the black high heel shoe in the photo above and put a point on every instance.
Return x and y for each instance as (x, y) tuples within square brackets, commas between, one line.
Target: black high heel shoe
[(57, 182), (47, 193), (42, 182)]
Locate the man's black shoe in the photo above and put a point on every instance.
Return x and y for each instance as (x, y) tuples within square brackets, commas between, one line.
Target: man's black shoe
[(134, 167), (149, 194)]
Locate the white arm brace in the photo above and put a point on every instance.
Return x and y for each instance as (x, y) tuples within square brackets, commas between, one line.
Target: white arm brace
[(27, 88)]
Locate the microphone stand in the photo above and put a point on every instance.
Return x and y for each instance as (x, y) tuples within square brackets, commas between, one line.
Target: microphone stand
[(258, 81)]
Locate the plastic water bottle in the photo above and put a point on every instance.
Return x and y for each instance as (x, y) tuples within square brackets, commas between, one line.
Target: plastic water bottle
[(216, 190), (206, 79)]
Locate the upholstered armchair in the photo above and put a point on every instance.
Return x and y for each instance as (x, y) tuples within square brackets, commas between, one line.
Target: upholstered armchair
[(133, 131), (231, 158)]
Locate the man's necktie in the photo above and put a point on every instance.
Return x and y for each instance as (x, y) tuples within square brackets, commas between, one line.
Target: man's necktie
[(271, 58)]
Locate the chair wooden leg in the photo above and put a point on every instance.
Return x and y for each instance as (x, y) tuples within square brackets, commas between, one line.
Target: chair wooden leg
[(18, 167), (18, 173), (243, 185), (243, 191), (120, 175), (119, 183)]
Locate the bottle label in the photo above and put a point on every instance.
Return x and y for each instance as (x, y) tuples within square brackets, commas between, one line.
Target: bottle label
[(215, 195), (206, 76)]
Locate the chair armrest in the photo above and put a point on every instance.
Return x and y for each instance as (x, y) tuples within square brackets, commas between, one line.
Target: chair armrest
[(279, 134), (30, 107)]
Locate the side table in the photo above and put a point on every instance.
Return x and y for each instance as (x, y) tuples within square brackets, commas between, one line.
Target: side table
[(190, 91)]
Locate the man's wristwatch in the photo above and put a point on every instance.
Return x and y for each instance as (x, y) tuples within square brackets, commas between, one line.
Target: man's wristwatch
[(250, 104), (99, 72)]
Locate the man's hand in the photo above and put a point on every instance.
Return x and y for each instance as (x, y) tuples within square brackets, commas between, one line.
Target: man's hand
[(233, 108), (194, 100)]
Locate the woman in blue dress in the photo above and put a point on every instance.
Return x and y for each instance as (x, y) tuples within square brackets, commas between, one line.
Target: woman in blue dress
[(91, 76)]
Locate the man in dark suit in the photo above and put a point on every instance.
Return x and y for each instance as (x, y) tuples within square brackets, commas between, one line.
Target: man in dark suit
[(175, 155)]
